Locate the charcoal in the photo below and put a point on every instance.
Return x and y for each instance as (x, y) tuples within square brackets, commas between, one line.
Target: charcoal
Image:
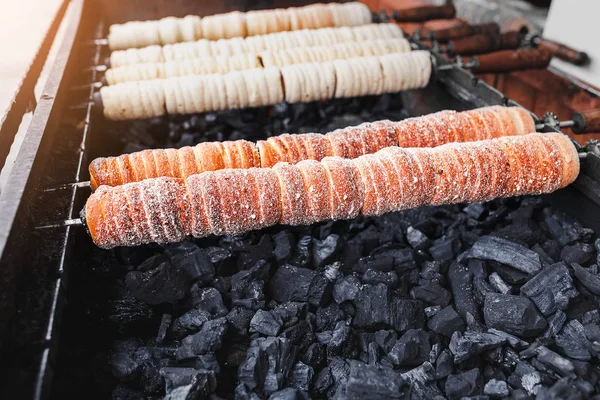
[(551, 289), (151, 380), (323, 251), (565, 388), (127, 311), (475, 210), (210, 336), (461, 283), (328, 317), (165, 322), (301, 376), (285, 242), (590, 281), (175, 377), (222, 284), (122, 392), (332, 271), (367, 381), (193, 260), (267, 364), (417, 239), (302, 254), (510, 275), (513, 314), (264, 323), (444, 365), (477, 268), (323, 381), (445, 249), (472, 343), (209, 299), (386, 339), (579, 253), (446, 322), (189, 322), (411, 349), (383, 263), (573, 343), (373, 354), (122, 363), (505, 252), (289, 313), (480, 289), (290, 283), (373, 277), (314, 355), (375, 305), (251, 254), (422, 381), (431, 292), (520, 394), (352, 252), (202, 384), (531, 382), (222, 259), (207, 361), (319, 292), (592, 332), (247, 289), (498, 283), (300, 335), (289, 394), (158, 281), (341, 341), (555, 324), (496, 389), (431, 311), (340, 370), (403, 258), (591, 317), (467, 383), (512, 340), (551, 359), (239, 319)]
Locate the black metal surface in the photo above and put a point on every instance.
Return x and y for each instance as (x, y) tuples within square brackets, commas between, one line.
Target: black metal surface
[(34, 264)]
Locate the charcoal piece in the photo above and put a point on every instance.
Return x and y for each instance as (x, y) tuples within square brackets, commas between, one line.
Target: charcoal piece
[(445, 249), (165, 323), (202, 384), (208, 361), (566, 388), (587, 279), (123, 366), (290, 283), (573, 343), (332, 271), (403, 258), (373, 277), (509, 274), (544, 257), (239, 319), (127, 310), (382, 263), (512, 340), (431, 292), (531, 382), (475, 210), (373, 354), (159, 282), (481, 288), (368, 238), (444, 365), (285, 241), (209, 338), (513, 314), (300, 335), (520, 394), (592, 332), (591, 317), (446, 322), (526, 232), (505, 252), (496, 389), (323, 381), (375, 305), (368, 381), (431, 311), (327, 317), (192, 259), (289, 313), (251, 254), (289, 394), (267, 364), (579, 253), (301, 376), (477, 268), (314, 355), (411, 349), (351, 252), (551, 359), (341, 340), (122, 392), (364, 339), (181, 376), (208, 299), (247, 287), (222, 284), (461, 284), (324, 251), (340, 370), (150, 379), (319, 292), (469, 344), (264, 323), (499, 284), (417, 239), (302, 254), (189, 323), (386, 339), (555, 324), (422, 381), (222, 259), (467, 383), (551, 289)]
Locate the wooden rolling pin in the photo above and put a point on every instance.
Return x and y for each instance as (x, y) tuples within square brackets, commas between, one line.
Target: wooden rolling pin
[(456, 32), (424, 13), (481, 43), (510, 60)]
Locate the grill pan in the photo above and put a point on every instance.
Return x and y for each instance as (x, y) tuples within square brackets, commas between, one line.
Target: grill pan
[(63, 137)]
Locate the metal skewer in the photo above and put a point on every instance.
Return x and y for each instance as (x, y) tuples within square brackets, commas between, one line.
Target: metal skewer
[(67, 222), (581, 122)]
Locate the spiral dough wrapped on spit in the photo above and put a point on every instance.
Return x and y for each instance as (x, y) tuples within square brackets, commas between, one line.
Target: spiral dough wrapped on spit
[(255, 44), (232, 201), (351, 142), (301, 82)]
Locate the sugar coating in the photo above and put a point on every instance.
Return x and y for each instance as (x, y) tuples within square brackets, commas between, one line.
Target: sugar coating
[(230, 201)]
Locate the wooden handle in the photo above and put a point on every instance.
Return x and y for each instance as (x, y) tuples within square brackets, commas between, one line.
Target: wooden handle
[(425, 13), (563, 52), (444, 35), (512, 60), (480, 44), (586, 121)]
